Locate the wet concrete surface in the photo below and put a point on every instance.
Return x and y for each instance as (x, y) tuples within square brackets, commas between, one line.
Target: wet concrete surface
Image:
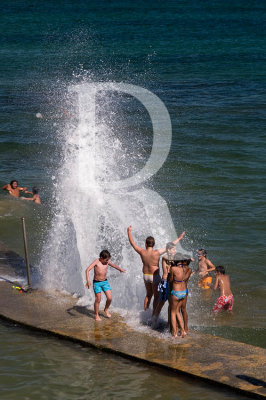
[(224, 362)]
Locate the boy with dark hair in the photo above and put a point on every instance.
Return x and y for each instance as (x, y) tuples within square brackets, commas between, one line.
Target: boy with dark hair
[(100, 281), (226, 300), (13, 189), (150, 259), (205, 266), (35, 195)]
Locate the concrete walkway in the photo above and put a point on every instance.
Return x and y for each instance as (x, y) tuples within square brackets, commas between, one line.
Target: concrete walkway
[(238, 366)]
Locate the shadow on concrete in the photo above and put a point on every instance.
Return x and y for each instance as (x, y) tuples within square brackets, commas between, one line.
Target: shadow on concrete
[(2, 278), (253, 381), (84, 311)]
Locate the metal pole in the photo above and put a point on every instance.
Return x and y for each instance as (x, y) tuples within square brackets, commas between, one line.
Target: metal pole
[(26, 251)]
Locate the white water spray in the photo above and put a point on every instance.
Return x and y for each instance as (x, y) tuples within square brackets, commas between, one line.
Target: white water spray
[(92, 214)]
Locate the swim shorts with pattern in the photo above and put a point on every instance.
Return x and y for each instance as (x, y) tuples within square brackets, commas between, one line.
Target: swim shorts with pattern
[(224, 302)]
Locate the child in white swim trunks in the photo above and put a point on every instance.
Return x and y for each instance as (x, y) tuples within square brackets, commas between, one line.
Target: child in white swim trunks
[(150, 260)]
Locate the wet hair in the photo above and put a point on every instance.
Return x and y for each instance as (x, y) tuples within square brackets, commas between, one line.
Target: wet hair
[(11, 183), (35, 190), (105, 254), (150, 242), (220, 269), (203, 251), (169, 246)]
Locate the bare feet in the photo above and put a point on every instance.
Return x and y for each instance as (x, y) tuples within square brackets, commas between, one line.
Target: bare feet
[(183, 334), (107, 313), (97, 318)]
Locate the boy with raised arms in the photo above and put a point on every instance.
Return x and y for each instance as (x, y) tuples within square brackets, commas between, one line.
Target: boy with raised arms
[(100, 281), (150, 260), (13, 189)]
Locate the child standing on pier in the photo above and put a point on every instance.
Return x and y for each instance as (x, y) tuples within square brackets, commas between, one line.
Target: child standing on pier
[(100, 281)]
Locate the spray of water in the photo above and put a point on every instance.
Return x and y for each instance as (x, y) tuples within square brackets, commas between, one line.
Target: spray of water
[(89, 216)]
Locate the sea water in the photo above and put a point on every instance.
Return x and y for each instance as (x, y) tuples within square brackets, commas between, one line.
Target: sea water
[(205, 61)]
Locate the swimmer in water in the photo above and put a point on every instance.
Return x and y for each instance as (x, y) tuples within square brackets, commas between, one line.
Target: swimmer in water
[(35, 196), (226, 299), (13, 189), (150, 260), (205, 266)]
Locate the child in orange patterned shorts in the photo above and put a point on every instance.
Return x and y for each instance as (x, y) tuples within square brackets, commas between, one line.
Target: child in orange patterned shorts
[(205, 266), (226, 300)]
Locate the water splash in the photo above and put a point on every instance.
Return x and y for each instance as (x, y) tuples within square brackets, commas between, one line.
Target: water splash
[(89, 215)]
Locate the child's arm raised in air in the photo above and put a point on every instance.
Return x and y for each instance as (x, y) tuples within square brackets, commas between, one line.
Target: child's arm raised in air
[(163, 249), (92, 265), (137, 248), (116, 266), (7, 187)]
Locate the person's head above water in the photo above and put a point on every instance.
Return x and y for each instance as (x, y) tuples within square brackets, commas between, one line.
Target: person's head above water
[(201, 253), (170, 248), (220, 270), (104, 256), (170, 245), (14, 183), (35, 190), (150, 242)]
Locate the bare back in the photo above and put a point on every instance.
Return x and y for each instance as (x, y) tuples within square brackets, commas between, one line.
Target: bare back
[(150, 259), (223, 282), (178, 277), (36, 199)]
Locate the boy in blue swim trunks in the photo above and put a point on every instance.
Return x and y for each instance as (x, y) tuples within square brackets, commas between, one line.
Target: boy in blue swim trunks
[(100, 281)]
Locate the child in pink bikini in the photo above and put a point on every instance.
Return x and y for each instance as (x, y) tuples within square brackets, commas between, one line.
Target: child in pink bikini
[(226, 299)]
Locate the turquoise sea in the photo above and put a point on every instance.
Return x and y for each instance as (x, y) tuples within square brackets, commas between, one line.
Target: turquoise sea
[(206, 61)]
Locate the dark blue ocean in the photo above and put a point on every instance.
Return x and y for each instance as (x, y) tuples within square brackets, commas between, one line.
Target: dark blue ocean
[(206, 61)]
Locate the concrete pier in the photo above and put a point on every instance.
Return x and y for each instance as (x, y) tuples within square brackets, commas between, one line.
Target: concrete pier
[(238, 366)]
